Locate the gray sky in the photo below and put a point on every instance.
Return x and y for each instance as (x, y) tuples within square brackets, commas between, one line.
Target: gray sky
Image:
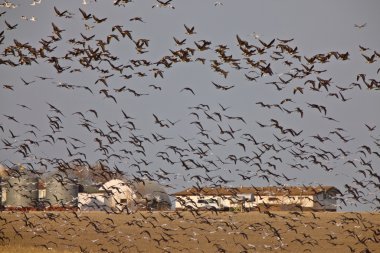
[(316, 27)]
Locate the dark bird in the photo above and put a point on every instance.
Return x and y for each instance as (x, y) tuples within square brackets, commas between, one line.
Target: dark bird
[(370, 128), (269, 45), (137, 19), (187, 89), (162, 4), (155, 87), (179, 42), (98, 20), (27, 83), (93, 111), (159, 122), (343, 98), (320, 108), (85, 15), (9, 26), (370, 59), (65, 13), (224, 108), (11, 118), (299, 89), (24, 106), (87, 38), (57, 30), (286, 100), (7, 86), (221, 87), (189, 31)]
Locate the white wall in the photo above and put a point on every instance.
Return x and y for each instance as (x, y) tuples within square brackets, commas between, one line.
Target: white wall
[(183, 201), (118, 195), (309, 201), (3, 195), (42, 193), (305, 201), (91, 201), (225, 201)]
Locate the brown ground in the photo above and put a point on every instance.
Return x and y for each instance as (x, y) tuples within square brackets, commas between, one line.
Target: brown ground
[(186, 232)]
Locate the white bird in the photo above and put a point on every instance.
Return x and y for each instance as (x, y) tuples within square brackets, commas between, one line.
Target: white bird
[(36, 2), (8, 5), (360, 26), (256, 35)]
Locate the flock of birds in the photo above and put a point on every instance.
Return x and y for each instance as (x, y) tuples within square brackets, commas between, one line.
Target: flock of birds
[(211, 142), (185, 232)]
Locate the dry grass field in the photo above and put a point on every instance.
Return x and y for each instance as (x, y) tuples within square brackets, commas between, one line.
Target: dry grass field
[(189, 232)]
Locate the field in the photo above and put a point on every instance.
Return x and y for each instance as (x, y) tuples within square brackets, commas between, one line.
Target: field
[(189, 232)]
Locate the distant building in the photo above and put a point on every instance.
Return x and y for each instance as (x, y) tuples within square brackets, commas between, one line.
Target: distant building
[(217, 198), (90, 198), (21, 189), (321, 198), (150, 195), (113, 196), (118, 195)]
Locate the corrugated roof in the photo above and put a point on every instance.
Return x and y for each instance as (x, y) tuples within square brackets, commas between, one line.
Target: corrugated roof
[(259, 191)]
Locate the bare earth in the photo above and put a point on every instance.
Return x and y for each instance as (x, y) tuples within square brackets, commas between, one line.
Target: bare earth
[(189, 232)]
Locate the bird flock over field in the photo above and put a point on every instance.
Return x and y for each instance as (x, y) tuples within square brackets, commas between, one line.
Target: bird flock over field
[(89, 90)]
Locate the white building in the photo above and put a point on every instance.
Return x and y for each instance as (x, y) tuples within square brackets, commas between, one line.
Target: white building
[(225, 198), (320, 198), (113, 196), (276, 198), (118, 195), (91, 201)]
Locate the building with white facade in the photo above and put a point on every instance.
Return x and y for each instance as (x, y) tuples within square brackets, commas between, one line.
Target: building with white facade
[(118, 195), (320, 198), (113, 196)]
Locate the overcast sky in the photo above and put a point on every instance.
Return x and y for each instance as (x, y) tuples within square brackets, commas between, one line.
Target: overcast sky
[(316, 28)]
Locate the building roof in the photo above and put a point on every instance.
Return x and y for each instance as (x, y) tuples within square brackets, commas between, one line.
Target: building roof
[(259, 191)]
